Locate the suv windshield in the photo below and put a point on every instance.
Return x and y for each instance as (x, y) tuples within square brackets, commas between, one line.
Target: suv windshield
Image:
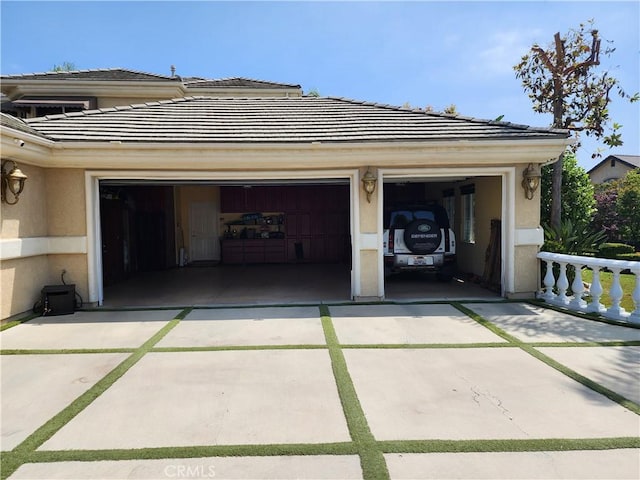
[(402, 218)]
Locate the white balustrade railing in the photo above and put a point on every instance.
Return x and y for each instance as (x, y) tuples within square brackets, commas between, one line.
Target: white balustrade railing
[(555, 289)]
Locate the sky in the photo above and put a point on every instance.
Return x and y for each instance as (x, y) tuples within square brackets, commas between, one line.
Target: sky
[(421, 53)]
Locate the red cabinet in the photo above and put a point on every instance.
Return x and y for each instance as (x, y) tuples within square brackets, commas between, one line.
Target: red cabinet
[(316, 223), (269, 250)]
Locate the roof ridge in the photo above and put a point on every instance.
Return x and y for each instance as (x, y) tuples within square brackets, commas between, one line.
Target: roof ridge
[(450, 115), (117, 108), (88, 70), (222, 79)]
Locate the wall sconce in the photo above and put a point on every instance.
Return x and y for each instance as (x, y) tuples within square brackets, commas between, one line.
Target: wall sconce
[(12, 182), (369, 184), (530, 180)]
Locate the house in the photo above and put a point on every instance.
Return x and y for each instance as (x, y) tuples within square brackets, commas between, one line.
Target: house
[(613, 167), (133, 172)]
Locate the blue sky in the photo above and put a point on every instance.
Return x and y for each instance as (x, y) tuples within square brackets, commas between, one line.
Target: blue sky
[(421, 53)]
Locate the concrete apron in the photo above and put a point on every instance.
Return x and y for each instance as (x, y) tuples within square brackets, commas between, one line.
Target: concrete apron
[(421, 372)]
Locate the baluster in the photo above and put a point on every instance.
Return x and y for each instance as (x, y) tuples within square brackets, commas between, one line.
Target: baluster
[(549, 282), (635, 315), (562, 284), (596, 292), (616, 293), (578, 288)]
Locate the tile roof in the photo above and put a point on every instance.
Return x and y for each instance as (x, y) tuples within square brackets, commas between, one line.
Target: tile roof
[(18, 124), (274, 120), (195, 82), (108, 74)]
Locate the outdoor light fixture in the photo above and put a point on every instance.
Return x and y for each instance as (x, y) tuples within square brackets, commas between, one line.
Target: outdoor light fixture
[(530, 180), (369, 184), (12, 182)]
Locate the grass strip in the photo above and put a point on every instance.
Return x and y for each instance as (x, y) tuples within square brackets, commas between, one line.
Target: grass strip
[(238, 347), (268, 450), (508, 445), (409, 346), (371, 458), (65, 351), (21, 453), (13, 323), (587, 382), (621, 343)]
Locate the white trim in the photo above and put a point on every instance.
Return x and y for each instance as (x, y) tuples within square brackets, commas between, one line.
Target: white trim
[(336, 155), (94, 236), (11, 248), (529, 236), (94, 239), (356, 286), (380, 240), (507, 277), (369, 241)]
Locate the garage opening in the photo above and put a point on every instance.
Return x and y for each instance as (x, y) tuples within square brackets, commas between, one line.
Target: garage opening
[(442, 238), (212, 243)]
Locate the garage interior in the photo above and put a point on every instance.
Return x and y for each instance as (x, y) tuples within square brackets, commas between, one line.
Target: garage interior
[(223, 243)]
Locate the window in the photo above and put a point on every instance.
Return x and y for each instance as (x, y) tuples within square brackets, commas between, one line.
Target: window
[(468, 193), (449, 204)]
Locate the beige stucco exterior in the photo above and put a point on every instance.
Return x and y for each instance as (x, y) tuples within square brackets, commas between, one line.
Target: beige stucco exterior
[(55, 226), (605, 172), (50, 212)]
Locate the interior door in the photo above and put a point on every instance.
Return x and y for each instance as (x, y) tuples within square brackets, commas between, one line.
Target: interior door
[(203, 227)]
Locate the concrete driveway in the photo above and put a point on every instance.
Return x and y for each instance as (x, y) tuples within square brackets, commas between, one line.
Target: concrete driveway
[(402, 391)]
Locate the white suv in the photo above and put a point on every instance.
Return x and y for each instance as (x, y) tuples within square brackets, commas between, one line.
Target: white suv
[(419, 238)]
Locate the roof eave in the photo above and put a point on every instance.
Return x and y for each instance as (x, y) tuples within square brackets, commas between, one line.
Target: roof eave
[(113, 88), (265, 156)]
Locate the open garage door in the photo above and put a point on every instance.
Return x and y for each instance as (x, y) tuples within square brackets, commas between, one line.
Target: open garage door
[(442, 237), (220, 242)]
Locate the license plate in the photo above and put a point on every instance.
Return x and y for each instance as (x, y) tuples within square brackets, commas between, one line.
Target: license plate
[(417, 261)]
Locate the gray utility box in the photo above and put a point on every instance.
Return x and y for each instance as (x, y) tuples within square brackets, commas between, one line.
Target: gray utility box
[(58, 299)]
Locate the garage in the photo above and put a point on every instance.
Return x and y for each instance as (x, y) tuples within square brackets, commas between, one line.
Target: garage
[(212, 242), (466, 261), (255, 196)]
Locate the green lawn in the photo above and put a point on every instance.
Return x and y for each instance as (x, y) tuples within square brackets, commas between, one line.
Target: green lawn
[(626, 280)]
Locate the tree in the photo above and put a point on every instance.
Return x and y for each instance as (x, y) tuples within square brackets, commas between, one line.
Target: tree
[(563, 79), (606, 218), (65, 67), (577, 194), (628, 204)]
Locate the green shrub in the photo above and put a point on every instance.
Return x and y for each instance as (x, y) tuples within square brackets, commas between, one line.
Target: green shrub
[(614, 250)]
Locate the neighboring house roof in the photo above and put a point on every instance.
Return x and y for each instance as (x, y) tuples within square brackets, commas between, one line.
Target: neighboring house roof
[(234, 82), (105, 74), (273, 120), (631, 161), (18, 124)]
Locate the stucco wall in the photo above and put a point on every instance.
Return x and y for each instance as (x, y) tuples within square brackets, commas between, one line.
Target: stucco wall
[(527, 216), (76, 272), (369, 255), (21, 280), (51, 206), (27, 218), (606, 172), (65, 202), (488, 206)]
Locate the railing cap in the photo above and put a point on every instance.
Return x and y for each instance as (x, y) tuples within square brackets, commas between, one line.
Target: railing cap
[(590, 261)]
